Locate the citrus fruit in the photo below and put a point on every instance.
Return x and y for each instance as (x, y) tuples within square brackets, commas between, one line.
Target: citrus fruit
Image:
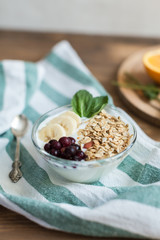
[(151, 61)]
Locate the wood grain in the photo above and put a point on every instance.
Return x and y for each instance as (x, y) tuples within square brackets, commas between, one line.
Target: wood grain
[(103, 56)]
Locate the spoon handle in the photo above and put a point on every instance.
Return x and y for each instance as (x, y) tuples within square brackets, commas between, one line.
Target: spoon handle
[(16, 174)]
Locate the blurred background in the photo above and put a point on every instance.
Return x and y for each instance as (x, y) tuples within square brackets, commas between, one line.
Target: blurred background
[(106, 17)]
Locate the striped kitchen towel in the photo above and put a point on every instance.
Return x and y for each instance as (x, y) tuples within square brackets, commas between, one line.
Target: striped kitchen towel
[(126, 203)]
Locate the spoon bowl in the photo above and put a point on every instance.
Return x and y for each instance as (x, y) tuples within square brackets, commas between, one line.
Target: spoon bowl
[(19, 125)]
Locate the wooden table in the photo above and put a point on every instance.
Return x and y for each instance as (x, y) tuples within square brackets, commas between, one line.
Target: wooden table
[(102, 55)]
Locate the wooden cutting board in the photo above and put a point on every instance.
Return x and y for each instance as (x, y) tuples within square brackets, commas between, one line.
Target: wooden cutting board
[(148, 110)]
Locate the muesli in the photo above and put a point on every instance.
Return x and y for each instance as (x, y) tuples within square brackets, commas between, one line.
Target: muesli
[(104, 136)]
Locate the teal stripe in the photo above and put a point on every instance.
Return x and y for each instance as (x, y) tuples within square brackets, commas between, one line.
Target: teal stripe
[(76, 73), (38, 178), (144, 174), (31, 79), (148, 195), (31, 114), (60, 218), (2, 86), (131, 167), (54, 95), (97, 183), (149, 174)]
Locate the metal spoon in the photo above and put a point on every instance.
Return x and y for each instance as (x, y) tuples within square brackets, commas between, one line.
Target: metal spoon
[(18, 127)]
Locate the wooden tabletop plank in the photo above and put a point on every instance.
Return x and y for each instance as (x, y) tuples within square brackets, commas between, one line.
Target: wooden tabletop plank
[(103, 56)]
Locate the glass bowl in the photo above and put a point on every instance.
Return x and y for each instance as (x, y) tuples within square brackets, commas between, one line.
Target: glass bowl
[(83, 171)]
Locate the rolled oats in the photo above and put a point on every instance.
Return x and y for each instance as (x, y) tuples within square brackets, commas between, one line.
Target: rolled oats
[(109, 134)]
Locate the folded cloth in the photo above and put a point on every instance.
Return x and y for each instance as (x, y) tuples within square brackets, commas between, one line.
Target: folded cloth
[(126, 203), (18, 83)]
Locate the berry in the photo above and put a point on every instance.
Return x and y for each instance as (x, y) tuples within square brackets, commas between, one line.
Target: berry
[(52, 141), (67, 156), (47, 147), (77, 147), (62, 155), (80, 154), (65, 141), (70, 151), (76, 158), (63, 149), (57, 145), (72, 140), (55, 152)]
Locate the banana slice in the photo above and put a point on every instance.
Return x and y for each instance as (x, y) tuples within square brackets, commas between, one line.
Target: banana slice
[(67, 114), (73, 115), (52, 131), (42, 134), (68, 123), (55, 131), (63, 125)]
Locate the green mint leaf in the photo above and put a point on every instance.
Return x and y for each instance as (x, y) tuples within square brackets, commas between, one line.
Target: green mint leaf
[(81, 103), (98, 103), (85, 105)]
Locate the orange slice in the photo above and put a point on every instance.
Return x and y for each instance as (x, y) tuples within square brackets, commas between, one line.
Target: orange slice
[(151, 61)]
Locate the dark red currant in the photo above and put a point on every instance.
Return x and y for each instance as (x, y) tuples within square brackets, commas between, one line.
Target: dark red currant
[(65, 141), (68, 156), (62, 149), (77, 147), (47, 147), (85, 156), (80, 154), (62, 155), (72, 140), (70, 151), (52, 141), (57, 145), (55, 152)]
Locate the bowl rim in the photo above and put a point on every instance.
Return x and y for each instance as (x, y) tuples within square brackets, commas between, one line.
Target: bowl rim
[(83, 162)]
